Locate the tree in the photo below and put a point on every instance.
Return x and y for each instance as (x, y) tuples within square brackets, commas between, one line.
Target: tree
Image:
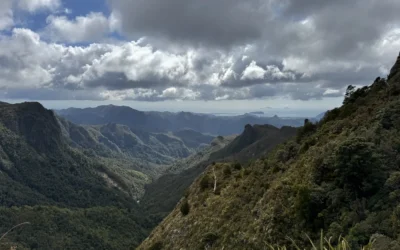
[(349, 92)]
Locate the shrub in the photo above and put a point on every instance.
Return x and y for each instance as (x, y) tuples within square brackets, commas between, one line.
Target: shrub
[(227, 171), (185, 208), (331, 115), (204, 183), (156, 246), (209, 239), (307, 129), (237, 166), (246, 172), (357, 167)]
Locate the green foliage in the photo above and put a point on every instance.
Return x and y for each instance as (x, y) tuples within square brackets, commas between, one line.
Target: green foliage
[(72, 200), (157, 246), (331, 115), (348, 97), (204, 182), (237, 166), (227, 171), (323, 244), (306, 130), (185, 208), (357, 167), (209, 239), (61, 228)]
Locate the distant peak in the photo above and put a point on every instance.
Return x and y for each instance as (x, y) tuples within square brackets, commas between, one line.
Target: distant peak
[(248, 126)]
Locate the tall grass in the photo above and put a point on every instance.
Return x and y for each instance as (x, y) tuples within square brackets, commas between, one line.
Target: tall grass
[(324, 244)]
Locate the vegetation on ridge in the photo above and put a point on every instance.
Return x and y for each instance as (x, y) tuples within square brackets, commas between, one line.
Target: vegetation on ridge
[(341, 175)]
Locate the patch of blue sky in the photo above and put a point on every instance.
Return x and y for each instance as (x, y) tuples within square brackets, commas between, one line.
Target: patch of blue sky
[(70, 8)]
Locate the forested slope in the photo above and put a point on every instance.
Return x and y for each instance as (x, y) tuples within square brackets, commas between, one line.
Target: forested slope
[(60, 191), (341, 175)]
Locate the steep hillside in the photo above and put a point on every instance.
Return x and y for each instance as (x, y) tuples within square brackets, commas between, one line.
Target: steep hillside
[(340, 175), (202, 156), (133, 157), (253, 141), (166, 121), (163, 194), (64, 194), (115, 140)]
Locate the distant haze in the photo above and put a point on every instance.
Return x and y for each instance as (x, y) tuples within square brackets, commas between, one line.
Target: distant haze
[(282, 108)]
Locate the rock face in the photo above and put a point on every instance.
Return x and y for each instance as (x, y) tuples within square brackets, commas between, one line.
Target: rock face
[(396, 68)]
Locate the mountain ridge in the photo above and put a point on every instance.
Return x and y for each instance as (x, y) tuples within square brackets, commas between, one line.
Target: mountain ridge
[(167, 121), (340, 175)]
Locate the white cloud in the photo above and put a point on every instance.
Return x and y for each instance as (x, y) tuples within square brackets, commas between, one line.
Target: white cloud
[(253, 72), (37, 5), (6, 15), (179, 94), (92, 27), (331, 92), (33, 68)]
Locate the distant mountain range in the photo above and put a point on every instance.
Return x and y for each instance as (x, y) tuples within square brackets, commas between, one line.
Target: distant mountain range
[(167, 121)]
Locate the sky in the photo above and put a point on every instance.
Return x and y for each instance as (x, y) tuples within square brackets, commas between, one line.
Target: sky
[(289, 57)]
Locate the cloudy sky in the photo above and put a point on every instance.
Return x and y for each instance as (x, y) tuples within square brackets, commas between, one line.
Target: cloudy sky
[(204, 56)]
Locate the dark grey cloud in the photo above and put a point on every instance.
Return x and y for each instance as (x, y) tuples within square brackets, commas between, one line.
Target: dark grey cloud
[(222, 22), (49, 94)]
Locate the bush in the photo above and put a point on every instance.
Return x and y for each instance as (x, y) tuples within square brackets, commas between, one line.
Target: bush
[(185, 208), (357, 167), (204, 183), (307, 129), (246, 172), (227, 171), (209, 239), (237, 166), (331, 115), (156, 246)]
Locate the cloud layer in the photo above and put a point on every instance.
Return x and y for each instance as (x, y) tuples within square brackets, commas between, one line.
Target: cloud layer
[(198, 50)]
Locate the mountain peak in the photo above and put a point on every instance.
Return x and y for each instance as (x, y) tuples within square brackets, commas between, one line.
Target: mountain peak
[(34, 122)]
